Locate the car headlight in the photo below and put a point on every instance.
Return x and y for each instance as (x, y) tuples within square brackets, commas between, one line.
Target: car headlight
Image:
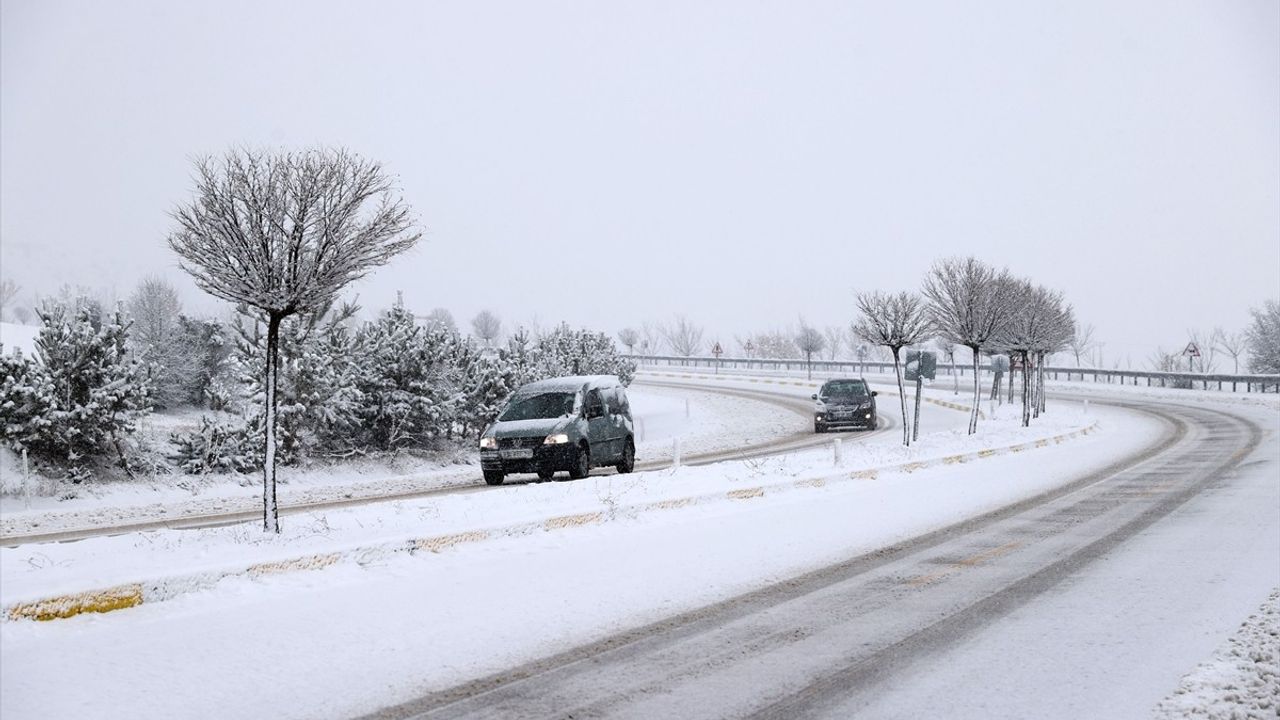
[(488, 443), (558, 439)]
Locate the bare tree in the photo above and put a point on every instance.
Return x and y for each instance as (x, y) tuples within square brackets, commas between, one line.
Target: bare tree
[(1264, 338), (629, 338), (894, 321), (835, 341), (775, 344), (809, 341), (1233, 344), (284, 232), (947, 349), (156, 337), (487, 326), (1034, 330), (440, 319), (23, 314), (154, 306), (683, 336), (8, 291), (969, 304), (650, 339), (1082, 342)]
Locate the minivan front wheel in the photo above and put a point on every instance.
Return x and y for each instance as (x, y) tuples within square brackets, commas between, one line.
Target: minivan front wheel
[(581, 463), (628, 462), (494, 477)]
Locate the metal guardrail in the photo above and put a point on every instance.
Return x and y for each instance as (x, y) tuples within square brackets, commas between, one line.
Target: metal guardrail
[(1205, 381)]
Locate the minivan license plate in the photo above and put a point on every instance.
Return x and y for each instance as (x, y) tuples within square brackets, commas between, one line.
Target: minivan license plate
[(517, 454)]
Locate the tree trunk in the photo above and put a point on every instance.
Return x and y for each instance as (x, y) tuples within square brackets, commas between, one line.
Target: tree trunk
[(1040, 399), (1026, 390), (270, 514), (915, 421), (902, 396), (977, 392)]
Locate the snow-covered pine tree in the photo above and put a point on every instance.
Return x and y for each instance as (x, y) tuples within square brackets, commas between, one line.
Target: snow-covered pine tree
[(99, 391), (26, 401)]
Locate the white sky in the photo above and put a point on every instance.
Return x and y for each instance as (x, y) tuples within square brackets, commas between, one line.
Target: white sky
[(744, 163)]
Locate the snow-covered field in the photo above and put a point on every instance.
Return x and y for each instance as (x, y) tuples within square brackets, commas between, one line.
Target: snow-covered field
[(1241, 681), (405, 624), (18, 337), (704, 422)]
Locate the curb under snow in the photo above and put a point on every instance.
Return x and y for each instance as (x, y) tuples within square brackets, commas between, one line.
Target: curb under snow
[(130, 595)]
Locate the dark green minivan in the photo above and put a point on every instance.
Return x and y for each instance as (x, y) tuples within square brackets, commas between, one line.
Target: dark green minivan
[(567, 423)]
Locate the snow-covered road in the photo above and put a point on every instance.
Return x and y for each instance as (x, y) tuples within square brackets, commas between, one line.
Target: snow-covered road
[(781, 605)]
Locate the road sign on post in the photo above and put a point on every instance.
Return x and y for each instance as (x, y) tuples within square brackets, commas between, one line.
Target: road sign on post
[(921, 364), (717, 351), (1192, 352)]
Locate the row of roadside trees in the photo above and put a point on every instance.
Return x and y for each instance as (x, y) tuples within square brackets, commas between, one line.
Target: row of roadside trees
[(966, 302)]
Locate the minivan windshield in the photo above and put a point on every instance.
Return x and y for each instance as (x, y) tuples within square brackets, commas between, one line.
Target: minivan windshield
[(845, 389), (536, 407)]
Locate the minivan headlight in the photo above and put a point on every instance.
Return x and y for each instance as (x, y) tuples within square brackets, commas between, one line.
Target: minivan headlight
[(558, 439), (488, 443)]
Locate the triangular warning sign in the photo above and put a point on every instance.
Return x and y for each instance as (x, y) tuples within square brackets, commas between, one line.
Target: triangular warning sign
[(1192, 349)]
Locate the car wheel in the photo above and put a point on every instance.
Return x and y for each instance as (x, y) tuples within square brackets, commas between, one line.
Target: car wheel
[(628, 458), (545, 473), (581, 463), (494, 477), (819, 427)]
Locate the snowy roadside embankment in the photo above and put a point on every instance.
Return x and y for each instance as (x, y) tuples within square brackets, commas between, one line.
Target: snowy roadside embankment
[(704, 422), (1241, 681), (169, 562)]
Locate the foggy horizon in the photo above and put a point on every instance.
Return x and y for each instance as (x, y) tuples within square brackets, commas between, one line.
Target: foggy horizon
[(610, 166)]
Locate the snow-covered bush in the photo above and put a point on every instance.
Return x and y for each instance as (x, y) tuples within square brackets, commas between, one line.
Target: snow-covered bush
[(84, 397), (565, 351), (217, 447), (26, 401), (1264, 339)]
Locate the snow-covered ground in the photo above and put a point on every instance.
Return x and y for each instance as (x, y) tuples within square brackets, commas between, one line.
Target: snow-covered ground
[(406, 624), (704, 422), (18, 337), (1241, 681), (31, 572)]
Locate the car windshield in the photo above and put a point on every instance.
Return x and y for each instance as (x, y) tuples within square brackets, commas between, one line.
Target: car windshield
[(535, 407), (849, 389)]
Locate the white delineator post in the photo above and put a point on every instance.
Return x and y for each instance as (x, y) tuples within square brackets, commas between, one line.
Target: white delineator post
[(26, 480), (640, 423), (675, 453), (837, 452)]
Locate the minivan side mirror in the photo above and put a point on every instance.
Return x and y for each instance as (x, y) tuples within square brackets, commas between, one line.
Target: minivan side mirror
[(815, 396), (875, 393)]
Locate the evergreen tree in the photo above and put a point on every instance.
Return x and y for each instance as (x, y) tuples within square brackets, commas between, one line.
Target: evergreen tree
[(86, 394)]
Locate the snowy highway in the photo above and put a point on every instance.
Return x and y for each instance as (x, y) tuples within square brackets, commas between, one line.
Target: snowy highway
[(868, 636), (1080, 579)]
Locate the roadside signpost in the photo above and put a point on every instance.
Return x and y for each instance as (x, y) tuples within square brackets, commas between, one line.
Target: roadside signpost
[(717, 351), (921, 364), (1192, 352)]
